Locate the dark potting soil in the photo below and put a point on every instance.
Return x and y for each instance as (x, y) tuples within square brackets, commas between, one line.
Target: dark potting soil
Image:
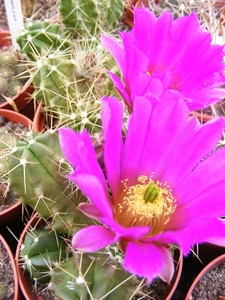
[(211, 286)]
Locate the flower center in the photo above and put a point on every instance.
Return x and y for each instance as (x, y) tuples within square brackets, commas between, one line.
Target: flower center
[(147, 203)]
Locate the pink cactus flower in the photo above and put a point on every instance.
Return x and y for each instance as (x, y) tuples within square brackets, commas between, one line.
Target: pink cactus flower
[(163, 183), (161, 54)]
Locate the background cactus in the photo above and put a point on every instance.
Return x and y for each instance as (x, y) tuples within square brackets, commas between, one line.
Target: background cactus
[(10, 133), (69, 62), (71, 87), (80, 19), (37, 175), (94, 16)]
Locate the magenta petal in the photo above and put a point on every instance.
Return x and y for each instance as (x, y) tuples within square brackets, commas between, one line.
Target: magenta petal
[(147, 260), (93, 238), (207, 230), (195, 185), (136, 135), (112, 120), (79, 150), (115, 49), (167, 271), (121, 89), (89, 210), (95, 191), (177, 167)]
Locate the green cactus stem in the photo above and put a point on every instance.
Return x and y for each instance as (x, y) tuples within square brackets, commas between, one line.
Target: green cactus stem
[(37, 175), (71, 87), (41, 251), (91, 276), (11, 78), (41, 36)]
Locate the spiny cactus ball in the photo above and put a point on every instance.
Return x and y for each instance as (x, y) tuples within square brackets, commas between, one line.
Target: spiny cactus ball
[(12, 74)]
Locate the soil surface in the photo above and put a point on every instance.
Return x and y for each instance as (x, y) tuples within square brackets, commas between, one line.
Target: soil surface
[(211, 286)]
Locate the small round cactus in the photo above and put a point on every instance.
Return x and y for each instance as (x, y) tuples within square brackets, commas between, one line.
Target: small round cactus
[(12, 75)]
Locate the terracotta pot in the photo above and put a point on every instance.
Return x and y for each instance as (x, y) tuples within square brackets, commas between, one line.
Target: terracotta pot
[(26, 288), (17, 295), (24, 97), (39, 119), (203, 118), (213, 264)]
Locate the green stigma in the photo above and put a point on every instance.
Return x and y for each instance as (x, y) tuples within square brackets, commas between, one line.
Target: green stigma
[(151, 192)]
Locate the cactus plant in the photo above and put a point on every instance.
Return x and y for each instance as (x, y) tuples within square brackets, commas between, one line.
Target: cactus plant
[(71, 87), (80, 18), (69, 63), (94, 16), (41, 250), (37, 174), (69, 274), (13, 74), (91, 276)]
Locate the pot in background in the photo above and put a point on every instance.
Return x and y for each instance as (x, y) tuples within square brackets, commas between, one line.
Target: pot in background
[(17, 295)]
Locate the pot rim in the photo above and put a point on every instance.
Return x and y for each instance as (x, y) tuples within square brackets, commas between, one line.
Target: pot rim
[(13, 264), (210, 266)]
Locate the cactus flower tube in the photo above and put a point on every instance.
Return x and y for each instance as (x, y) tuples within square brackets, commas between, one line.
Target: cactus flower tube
[(162, 53), (158, 190)]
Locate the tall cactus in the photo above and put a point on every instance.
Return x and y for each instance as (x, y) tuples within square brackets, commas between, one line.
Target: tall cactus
[(38, 176)]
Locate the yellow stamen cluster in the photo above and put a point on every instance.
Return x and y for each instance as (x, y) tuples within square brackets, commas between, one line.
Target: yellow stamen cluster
[(146, 203)]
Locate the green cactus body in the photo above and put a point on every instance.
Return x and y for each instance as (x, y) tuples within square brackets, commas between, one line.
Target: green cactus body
[(3, 85), (7, 59), (36, 176), (52, 81), (11, 78), (91, 276), (72, 98), (41, 251), (91, 15), (7, 142), (42, 36)]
